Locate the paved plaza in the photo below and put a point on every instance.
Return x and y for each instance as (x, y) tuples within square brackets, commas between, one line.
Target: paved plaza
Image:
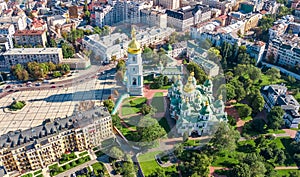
[(51, 103)]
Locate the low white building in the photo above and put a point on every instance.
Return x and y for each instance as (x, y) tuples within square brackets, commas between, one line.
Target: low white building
[(24, 55), (199, 55), (106, 47)]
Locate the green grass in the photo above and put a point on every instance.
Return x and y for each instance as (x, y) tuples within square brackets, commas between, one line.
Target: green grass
[(132, 105), (37, 172), (67, 157), (27, 175), (83, 154), (127, 109), (132, 121), (149, 164), (191, 143), (40, 175), (270, 131), (53, 166), (138, 101), (284, 173), (158, 102)]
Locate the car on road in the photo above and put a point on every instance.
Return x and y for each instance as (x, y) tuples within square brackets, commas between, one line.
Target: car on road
[(53, 86), (20, 85), (61, 86), (38, 84), (45, 81), (30, 85), (52, 82), (17, 90), (8, 87), (10, 90)]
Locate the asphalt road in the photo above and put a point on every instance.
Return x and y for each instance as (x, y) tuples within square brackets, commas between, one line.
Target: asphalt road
[(64, 83)]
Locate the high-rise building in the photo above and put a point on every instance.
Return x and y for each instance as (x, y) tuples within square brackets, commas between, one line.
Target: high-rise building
[(134, 67), (40, 146)]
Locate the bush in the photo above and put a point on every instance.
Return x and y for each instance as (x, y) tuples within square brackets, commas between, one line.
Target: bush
[(17, 105), (146, 109), (57, 74), (67, 166), (73, 164)]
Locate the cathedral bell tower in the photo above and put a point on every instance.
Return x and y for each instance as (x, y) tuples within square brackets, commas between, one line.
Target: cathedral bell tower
[(134, 67)]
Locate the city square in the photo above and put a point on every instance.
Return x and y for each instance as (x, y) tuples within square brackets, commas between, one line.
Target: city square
[(51, 103)]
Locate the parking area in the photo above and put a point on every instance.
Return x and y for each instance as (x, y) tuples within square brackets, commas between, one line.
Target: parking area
[(51, 103)]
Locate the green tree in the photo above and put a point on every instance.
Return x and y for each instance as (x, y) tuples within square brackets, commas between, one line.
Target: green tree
[(256, 101), (275, 118), (121, 66), (195, 165), (200, 75), (116, 152), (291, 79), (294, 174), (53, 43), (225, 138), (241, 170), (51, 66), (116, 121), (230, 92), (244, 111), (109, 104), (67, 50), (255, 73), (149, 130), (128, 169), (157, 173), (57, 74), (273, 73)]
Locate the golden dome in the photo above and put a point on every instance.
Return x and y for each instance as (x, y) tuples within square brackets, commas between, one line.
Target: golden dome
[(134, 47), (189, 87)]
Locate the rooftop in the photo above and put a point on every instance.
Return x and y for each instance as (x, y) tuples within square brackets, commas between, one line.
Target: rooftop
[(31, 51), (28, 32), (41, 133)]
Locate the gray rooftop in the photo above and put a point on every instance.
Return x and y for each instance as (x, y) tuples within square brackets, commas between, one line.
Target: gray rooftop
[(41, 133)]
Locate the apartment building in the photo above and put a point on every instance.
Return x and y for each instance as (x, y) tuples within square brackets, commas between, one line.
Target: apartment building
[(154, 17), (24, 55), (169, 4), (183, 18), (285, 50), (19, 22), (8, 30), (225, 6), (40, 146), (31, 37)]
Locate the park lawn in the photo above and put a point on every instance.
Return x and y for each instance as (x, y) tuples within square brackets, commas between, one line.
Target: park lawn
[(132, 120), (158, 102), (127, 109), (149, 164), (284, 173), (138, 102)]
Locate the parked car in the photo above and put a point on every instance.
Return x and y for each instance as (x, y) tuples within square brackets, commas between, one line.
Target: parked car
[(53, 86), (38, 84)]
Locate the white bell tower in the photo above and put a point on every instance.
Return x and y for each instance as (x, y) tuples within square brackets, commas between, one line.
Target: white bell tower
[(134, 68)]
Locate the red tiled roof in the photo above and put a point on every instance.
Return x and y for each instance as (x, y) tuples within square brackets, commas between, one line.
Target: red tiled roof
[(28, 32)]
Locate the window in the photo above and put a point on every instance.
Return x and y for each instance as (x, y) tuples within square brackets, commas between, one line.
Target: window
[(134, 81), (133, 58)]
